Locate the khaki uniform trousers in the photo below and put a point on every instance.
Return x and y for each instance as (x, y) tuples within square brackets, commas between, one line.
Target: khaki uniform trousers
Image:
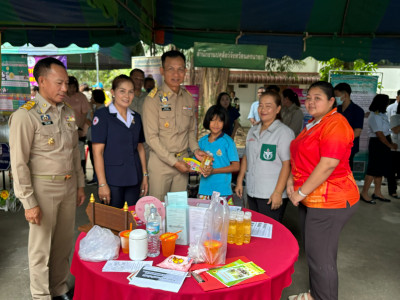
[(50, 244), (164, 179)]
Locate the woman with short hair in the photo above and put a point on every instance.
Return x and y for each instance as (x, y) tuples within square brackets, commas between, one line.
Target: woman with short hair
[(379, 147)]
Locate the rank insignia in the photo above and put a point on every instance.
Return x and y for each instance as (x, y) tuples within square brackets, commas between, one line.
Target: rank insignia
[(166, 125), (50, 141)]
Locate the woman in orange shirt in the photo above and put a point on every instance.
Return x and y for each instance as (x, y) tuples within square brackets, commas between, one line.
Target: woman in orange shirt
[(322, 185)]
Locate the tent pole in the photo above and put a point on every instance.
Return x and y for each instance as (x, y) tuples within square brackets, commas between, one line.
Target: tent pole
[(97, 67)]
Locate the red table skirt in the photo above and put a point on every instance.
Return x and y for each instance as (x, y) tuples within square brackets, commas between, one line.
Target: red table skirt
[(276, 256)]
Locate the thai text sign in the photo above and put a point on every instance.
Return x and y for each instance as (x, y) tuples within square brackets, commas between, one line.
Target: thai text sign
[(230, 56)]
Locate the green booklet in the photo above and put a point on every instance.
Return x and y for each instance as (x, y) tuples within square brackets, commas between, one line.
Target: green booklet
[(236, 272)]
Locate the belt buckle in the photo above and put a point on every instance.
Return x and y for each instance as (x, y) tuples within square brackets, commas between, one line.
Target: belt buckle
[(67, 177), (179, 154)]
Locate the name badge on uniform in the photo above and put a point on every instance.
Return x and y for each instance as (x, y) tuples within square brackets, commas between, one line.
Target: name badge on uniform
[(46, 120), (166, 108)]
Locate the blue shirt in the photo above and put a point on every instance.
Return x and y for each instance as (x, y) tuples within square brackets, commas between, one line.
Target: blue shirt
[(355, 116), (121, 159), (253, 114), (224, 152)]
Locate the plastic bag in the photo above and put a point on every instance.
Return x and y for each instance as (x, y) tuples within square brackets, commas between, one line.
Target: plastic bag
[(212, 244), (98, 245), (176, 262)]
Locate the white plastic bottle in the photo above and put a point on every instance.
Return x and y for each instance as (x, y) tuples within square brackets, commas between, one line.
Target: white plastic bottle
[(153, 233)]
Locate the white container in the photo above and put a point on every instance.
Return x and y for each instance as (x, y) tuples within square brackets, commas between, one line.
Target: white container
[(138, 244)]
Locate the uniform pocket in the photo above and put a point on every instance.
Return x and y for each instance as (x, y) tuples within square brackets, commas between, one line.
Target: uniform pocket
[(47, 138), (166, 120)]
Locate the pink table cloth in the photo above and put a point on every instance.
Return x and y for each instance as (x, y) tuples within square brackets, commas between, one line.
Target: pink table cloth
[(276, 256)]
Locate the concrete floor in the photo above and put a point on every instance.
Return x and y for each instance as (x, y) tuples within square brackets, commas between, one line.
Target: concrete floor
[(368, 258)]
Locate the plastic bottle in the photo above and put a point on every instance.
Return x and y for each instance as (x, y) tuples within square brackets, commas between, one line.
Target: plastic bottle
[(239, 228), (153, 233), (207, 160), (247, 227), (232, 228)]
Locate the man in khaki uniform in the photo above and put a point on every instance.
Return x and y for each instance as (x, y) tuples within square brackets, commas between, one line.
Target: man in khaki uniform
[(48, 178), (170, 128)]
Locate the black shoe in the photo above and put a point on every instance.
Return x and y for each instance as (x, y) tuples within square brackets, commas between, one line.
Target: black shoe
[(369, 202), (67, 296), (380, 199), (91, 182), (395, 196), (63, 297)]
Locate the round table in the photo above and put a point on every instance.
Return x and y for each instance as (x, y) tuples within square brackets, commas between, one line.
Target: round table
[(276, 256)]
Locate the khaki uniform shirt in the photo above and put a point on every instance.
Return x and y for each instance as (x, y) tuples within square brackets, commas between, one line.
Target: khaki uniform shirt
[(43, 141), (137, 103), (169, 123)]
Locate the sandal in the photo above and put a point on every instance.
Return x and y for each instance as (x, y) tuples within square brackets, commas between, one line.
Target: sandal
[(299, 297)]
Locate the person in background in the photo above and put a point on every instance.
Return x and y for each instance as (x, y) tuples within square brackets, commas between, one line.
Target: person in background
[(149, 84), (380, 144), (253, 116), (86, 90), (48, 178), (98, 98), (395, 127), (98, 86), (223, 101), (235, 100), (353, 113), (266, 162), (137, 77), (119, 157), (392, 108), (322, 185), (81, 107), (34, 90), (226, 159), (292, 115), (170, 128)]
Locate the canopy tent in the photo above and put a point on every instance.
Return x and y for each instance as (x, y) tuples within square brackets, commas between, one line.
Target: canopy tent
[(115, 57), (80, 22), (346, 29)]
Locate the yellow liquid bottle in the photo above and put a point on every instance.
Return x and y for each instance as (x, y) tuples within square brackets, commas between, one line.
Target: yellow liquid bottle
[(207, 160), (247, 227), (239, 229), (232, 228)]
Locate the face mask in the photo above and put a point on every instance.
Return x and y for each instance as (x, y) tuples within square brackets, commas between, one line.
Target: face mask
[(339, 100)]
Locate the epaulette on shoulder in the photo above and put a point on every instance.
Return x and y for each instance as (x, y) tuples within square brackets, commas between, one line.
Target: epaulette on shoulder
[(153, 92), (183, 88), (29, 105), (67, 104)]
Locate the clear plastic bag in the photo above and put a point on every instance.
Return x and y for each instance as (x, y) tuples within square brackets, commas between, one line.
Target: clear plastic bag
[(99, 244), (212, 244)]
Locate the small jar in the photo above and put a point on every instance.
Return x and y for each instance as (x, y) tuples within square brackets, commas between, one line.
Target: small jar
[(138, 244)]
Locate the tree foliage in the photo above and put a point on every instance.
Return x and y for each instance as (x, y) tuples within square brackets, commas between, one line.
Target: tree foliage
[(105, 76), (338, 65)]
